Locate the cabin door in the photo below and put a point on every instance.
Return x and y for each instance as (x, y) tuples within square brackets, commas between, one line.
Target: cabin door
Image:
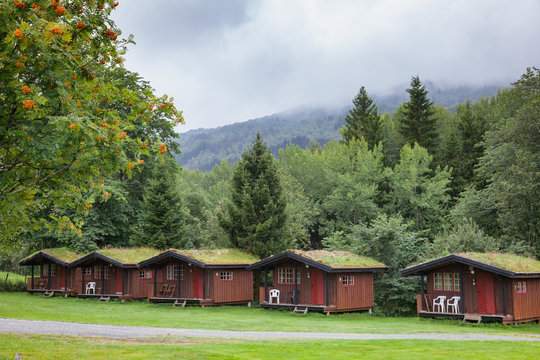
[(197, 282), (119, 281), (317, 286), (486, 293)]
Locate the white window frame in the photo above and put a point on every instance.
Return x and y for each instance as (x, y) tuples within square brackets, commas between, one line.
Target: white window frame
[(286, 276), (437, 285), (226, 275)]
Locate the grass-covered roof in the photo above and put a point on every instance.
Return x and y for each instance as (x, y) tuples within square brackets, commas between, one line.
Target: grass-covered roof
[(129, 255), (64, 254), (340, 259), (219, 256), (510, 262)]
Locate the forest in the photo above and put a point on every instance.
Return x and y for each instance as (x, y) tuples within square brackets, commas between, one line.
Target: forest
[(85, 162)]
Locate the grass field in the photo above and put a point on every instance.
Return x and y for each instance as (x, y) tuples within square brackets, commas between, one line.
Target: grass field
[(56, 347), (15, 282), (141, 313)]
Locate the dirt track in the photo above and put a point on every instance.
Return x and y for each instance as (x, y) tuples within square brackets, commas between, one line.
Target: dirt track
[(126, 332)]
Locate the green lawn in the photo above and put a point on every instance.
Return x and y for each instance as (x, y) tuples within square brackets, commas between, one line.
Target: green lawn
[(66, 347), (35, 307)]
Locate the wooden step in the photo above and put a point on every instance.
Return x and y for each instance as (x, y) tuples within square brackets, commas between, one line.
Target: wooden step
[(472, 317), (48, 293), (105, 298), (297, 309), (179, 303)]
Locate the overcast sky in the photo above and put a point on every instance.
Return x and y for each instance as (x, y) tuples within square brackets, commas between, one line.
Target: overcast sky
[(227, 61)]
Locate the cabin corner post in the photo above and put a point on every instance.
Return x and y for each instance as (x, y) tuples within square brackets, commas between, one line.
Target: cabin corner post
[(123, 281), (177, 281), (422, 293), (32, 282), (295, 293), (102, 279), (49, 276), (82, 282), (461, 288), (326, 289), (155, 279), (503, 290), (65, 278), (204, 283), (266, 285)]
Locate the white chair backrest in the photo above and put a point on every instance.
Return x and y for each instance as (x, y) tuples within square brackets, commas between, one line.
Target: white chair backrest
[(274, 293), (91, 285)]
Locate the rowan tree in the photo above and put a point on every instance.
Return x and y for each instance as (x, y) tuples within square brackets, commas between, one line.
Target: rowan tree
[(61, 129)]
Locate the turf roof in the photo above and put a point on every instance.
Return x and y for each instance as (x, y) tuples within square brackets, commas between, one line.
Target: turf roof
[(510, 262), (219, 256), (340, 259), (129, 255), (64, 254)]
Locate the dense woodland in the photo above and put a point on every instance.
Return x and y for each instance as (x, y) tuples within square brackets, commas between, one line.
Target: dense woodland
[(416, 183)]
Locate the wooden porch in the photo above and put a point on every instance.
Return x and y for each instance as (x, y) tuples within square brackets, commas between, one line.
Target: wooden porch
[(508, 319), (299, 307), (181, 300)]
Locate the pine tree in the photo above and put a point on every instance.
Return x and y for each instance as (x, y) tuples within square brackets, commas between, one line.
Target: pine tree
[(162, 220), (256, 213), (362, 121), (419, 124)]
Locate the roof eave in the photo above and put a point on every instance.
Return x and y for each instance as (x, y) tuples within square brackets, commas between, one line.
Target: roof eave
[(173, 255), (97, 255), (422, 268), (42, 254)]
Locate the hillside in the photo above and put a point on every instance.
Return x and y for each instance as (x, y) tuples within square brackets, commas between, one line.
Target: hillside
[(204, 148)]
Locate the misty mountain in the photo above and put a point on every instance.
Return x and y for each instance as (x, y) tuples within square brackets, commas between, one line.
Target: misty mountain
[(204, 148)]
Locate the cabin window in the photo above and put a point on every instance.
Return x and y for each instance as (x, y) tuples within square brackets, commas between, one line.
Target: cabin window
[(173, 271), (437, 281), (225, 275), (448, 282), (521, 287), (145, 274), (107, 272), (457, 282), (285, 276), (87, 271), (46, 269), (97, 272), (347, 280)]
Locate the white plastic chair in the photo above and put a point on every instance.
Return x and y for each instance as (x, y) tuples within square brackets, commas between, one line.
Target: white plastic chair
[(274, 293), (439, 302), (91, 286), (453, 303)]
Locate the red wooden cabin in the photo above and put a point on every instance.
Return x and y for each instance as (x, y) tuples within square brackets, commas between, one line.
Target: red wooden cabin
[(55, 276), (112, 273), (487, 286), (202, 277), (318, 280)]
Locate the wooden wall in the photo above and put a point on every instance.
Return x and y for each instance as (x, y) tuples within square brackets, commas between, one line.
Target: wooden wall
[(240, 288), (469, 302), (285, 290), (526, 306), (57, 281), (186, 285), (357, 296)]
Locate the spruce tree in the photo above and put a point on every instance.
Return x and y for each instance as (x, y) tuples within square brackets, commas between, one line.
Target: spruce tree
[(419, 124), (162, 219), (255, 216), (362, 121)]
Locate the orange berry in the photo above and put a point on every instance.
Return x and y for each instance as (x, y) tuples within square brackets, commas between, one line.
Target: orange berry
[(80, 25), (19, 64), (60, 10), (20, 5), (29, 104), (141, 162), (18, 34), (57, 31), (26, 90), (122, 135), (163, 148), (72, 126)]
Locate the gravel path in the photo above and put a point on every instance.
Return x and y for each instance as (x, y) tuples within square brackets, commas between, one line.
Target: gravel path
[(127, 332)]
